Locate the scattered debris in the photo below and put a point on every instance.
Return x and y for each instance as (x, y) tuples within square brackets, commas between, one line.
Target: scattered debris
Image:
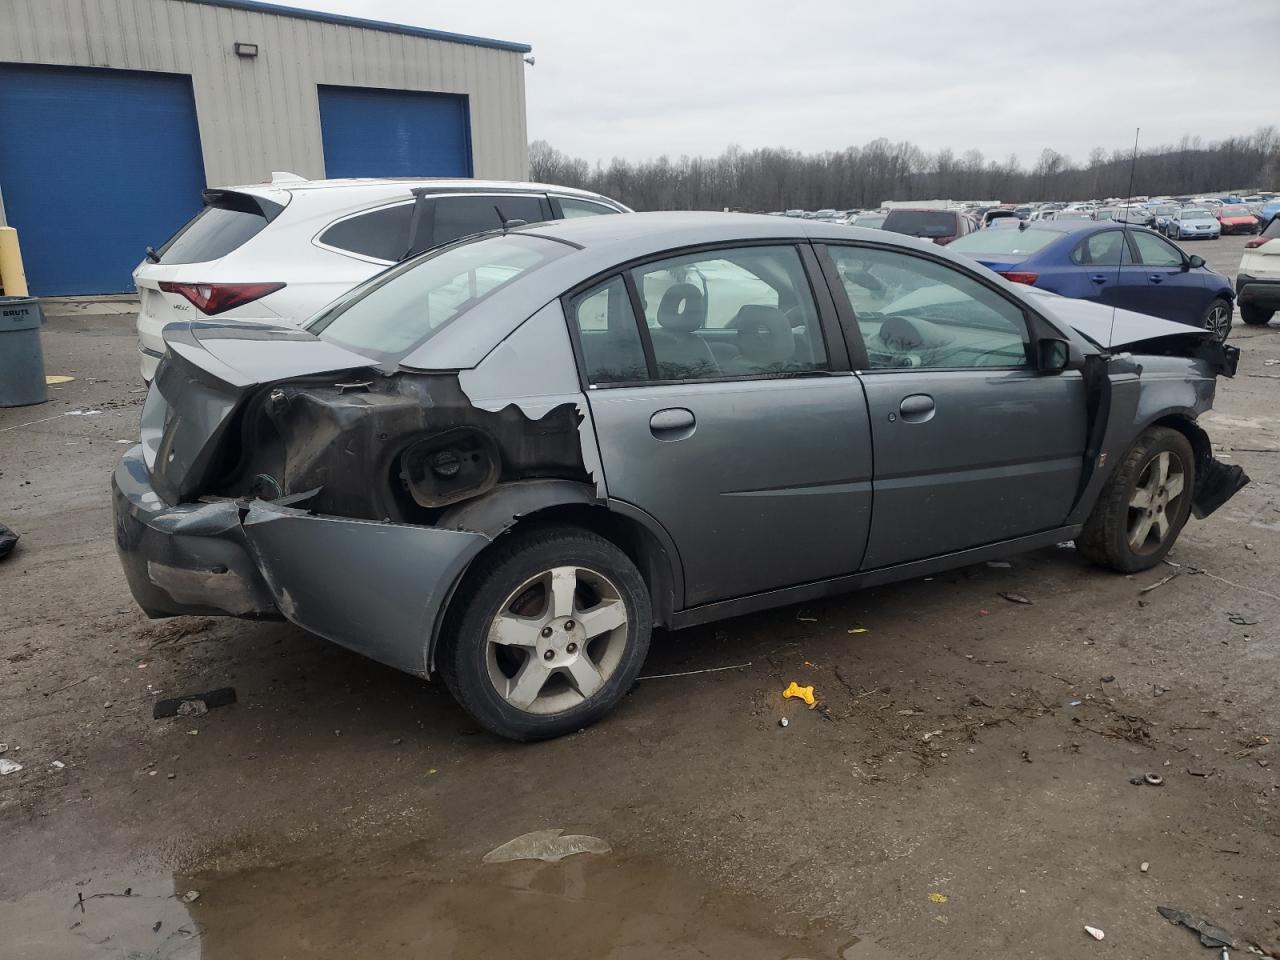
[(57, 765), (1196, 772), (857, 630), (1243, 619), (87, 412), (1026, 756), (693, 673), (1210, 935), (56, 379), (8, 540), (804, 616), (1144, 866), (546, 845), (178, 706), (1159, 583), (1158, 691), (191, 896), (1094, 932), (784, 722), (1151, 779), (938, 897), (1109, 678), (796, 692), (999, 564), (930, 735), (1016, 598), (8, 766)]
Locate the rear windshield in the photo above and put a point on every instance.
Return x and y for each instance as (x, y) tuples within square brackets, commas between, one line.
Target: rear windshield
[(1005, 243), (404, 306), (921, 223), (227, 221)]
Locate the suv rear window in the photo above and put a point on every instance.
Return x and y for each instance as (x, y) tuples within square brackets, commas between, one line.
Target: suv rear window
[(921, 223), (227, 221), (382, 234)]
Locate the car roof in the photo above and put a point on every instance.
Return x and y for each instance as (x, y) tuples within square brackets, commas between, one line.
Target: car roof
[(376, 188)]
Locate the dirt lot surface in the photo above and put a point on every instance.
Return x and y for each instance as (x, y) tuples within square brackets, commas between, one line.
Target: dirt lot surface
[(963, 789)]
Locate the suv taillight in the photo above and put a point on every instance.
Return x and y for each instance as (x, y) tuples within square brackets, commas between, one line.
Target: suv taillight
[(1255, 243), (214, 298)]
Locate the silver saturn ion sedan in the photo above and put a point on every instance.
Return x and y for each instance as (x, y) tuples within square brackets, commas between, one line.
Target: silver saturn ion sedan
[(507, 460)]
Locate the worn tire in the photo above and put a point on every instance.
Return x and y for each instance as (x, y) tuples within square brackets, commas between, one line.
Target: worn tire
[(1105, 538), (462, 656), (1255, 316)]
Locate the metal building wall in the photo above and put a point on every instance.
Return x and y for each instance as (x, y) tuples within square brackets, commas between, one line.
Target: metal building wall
[(262, 114)]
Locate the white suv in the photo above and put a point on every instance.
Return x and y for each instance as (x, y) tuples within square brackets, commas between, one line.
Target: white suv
[(280, 251), (1258, 279)]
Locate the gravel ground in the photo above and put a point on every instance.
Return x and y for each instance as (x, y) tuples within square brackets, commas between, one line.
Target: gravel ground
[(963, 790)]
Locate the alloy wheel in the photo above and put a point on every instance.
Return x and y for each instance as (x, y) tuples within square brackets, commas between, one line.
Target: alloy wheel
[(557, 639), (1152, 502), (1218, 321)]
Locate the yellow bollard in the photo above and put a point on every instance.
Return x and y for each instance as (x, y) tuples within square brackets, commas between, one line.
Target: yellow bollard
[(12, 277)]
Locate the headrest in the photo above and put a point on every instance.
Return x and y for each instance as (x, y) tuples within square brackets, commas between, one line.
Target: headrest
[(683, 309), (899, 333), (764, 334)]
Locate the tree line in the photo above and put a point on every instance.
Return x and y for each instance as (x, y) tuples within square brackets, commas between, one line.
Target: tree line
[(771, 178)]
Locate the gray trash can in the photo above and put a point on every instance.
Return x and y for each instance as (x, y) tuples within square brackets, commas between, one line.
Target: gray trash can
[(21, 360)]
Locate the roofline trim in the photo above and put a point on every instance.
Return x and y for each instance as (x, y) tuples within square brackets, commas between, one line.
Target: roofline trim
[(257, 6)]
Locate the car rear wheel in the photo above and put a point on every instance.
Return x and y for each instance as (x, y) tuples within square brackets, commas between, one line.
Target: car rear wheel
[(1144, 504), (554, 632), (1217, 318), (1255, 316)]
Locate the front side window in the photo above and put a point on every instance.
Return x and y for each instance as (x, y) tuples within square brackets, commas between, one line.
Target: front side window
[(404, 306), (572, 208), (382, 234), (914, 312), (456, 217), (1156, 252), (731, 313)]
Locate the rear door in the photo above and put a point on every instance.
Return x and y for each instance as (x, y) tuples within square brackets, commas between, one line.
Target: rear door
[(1110, 274), (972, 444), (723, 410)]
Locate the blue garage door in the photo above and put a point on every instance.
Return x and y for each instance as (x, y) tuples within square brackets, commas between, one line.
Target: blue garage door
[(95, 165), (394, 133)]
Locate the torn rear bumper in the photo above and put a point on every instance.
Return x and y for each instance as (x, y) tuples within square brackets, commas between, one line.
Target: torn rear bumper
[(376, 588)]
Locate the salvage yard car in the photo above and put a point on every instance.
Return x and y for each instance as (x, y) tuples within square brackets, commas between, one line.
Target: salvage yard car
[(278, 252), (506, 461)]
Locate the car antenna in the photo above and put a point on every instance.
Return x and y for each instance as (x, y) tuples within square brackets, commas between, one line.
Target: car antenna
[(1124, 230), (508, 224)]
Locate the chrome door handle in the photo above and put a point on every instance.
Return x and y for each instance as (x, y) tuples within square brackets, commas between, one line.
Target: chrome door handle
[(916, 408), (674, 423)]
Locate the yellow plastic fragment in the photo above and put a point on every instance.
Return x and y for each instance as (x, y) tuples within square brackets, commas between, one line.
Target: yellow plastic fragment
[(54, 379), (797, 692), (938, 898), (857, 629)]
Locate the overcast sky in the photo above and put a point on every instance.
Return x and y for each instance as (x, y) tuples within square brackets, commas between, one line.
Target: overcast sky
[(640, 79)]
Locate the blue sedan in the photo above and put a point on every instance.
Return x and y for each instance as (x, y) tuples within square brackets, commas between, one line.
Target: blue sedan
[(1108, 263)]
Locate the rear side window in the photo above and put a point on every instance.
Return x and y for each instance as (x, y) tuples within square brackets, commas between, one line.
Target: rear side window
[(227, 222), (922, 223), (462, 216), (382, 234), (571, 208), (610, 338)]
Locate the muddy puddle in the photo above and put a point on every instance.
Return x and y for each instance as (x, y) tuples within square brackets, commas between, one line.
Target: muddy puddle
[(402, 904)]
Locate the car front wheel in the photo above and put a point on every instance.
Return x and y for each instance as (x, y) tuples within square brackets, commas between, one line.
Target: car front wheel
[(554, 631), (1217, 318), (1144, 504)]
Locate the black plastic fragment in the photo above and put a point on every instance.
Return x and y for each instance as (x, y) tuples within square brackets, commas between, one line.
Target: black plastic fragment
[(8, 540), (1217, 484), (1210, 935), (214, 698)]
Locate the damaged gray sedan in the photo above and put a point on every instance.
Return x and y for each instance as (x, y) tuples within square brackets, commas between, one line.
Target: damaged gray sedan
[(506, 461)]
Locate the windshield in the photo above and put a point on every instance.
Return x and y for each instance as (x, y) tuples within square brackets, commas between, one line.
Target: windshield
[(1007, 244), (1236, 212), (1164, 211), (921, 223), (406, 305), (1196, 215)]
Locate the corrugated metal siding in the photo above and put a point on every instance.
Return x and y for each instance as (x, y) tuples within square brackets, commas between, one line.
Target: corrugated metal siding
[(262, 114)]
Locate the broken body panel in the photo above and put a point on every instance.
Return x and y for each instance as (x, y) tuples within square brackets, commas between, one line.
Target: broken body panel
[(283, 475)]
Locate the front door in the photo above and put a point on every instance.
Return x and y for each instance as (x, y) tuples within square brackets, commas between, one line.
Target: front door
[(717, 413), (972, 444), (1173, 292)]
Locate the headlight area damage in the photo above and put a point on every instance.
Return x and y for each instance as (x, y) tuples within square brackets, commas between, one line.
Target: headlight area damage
[(295, 498)]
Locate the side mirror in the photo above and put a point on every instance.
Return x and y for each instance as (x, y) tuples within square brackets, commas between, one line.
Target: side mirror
[(1193, 262), (1052, 355)]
